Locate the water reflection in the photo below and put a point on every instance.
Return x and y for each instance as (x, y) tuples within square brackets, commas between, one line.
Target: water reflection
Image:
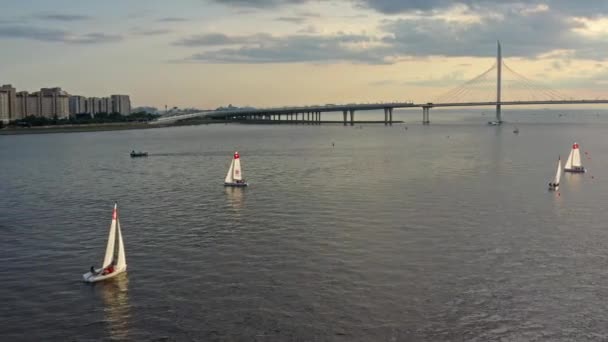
[(235, 197), (574, 181), (115, 296)]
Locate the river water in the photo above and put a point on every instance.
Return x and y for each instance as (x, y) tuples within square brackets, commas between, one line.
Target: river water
[(443, 232)]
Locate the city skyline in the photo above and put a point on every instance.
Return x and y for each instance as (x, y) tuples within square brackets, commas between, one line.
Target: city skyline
[(276, 52)]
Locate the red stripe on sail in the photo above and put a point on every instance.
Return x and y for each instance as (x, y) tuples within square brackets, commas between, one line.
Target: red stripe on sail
[(575, 146), (114, 214), (236, 155)]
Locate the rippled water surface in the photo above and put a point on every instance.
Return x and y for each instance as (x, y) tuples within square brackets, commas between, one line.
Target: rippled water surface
[(435, 233)]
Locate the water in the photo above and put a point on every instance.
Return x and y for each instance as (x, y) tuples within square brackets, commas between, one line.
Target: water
[(435, 233)]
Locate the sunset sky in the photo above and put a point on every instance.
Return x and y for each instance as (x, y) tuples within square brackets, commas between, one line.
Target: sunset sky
[(207, 53)]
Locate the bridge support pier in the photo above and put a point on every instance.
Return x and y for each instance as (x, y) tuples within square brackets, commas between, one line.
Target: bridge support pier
[(344, 113), (385, 116), (390, 116), (425, 115), (352, 117)]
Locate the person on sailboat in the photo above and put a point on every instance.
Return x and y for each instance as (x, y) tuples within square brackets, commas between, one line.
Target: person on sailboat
[(93, 270), (108, 269)]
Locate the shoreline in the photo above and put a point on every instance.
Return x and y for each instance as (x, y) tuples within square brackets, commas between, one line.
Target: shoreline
[(120, 126), (76, 128)]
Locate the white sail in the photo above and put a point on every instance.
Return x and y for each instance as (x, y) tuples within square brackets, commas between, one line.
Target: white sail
[(121, 261), (576, 156), (238, 173), (558, 175), (568, 165), (229, 178), (107, 260)]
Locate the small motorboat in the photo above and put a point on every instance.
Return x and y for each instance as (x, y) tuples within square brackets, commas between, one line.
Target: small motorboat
[(135, 154), (494, 123)]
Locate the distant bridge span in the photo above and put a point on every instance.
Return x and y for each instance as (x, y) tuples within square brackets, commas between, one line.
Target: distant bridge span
[(312, 114)]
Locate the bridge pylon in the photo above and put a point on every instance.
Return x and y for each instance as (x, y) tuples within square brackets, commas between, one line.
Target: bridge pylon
[(498, 82)]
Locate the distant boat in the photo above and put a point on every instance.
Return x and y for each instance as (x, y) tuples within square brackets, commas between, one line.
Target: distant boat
[(494, 123), (516, 130), (112, 266), (138, 154), (235, 174), (573, 164), (554, 185)]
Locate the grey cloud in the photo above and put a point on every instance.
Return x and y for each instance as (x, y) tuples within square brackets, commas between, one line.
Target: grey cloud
[(259, 3), (523, 36), (172, 19), (590, 8), (25, 32), (299, 17), (525, 33), (63, 17), (94, 38), (218, 39), (293, 20), (148, 32), (157, 32), (54, 35), (290, 49)]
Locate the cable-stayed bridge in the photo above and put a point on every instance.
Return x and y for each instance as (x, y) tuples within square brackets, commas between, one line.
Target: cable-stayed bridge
[(497, 86)]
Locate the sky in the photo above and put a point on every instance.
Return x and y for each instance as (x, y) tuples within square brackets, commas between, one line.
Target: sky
[(210, 53)]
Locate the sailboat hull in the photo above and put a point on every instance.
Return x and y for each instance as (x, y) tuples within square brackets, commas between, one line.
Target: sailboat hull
[(234, 184), (553, 188), (93, 278), (576, 170)]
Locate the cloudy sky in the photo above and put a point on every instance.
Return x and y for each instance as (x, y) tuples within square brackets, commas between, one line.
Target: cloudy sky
[(206, 53)]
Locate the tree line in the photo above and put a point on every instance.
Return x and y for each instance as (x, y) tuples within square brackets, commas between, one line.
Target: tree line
[(83, 119)]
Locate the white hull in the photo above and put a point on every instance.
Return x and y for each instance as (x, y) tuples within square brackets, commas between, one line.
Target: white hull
[(553, 187), (576, 170), (93, 278), (236, 184)]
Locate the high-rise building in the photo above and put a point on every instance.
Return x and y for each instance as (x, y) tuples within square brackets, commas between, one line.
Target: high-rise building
[(21, 105), (4, 113), (54, 103), (33, 104), (77, 105), (11, 94), (121, 104), (93, 105), (106, 105)]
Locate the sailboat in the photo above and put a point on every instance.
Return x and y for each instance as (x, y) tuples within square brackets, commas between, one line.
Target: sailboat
[(553, 186), (234, 177), (573, 164), (114, 261)]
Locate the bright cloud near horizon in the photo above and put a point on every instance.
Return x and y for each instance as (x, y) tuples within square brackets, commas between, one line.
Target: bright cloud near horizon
[(208, 53)]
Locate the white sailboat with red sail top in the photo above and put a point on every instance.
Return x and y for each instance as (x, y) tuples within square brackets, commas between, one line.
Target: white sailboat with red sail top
[(573, 164), (234, 177)]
